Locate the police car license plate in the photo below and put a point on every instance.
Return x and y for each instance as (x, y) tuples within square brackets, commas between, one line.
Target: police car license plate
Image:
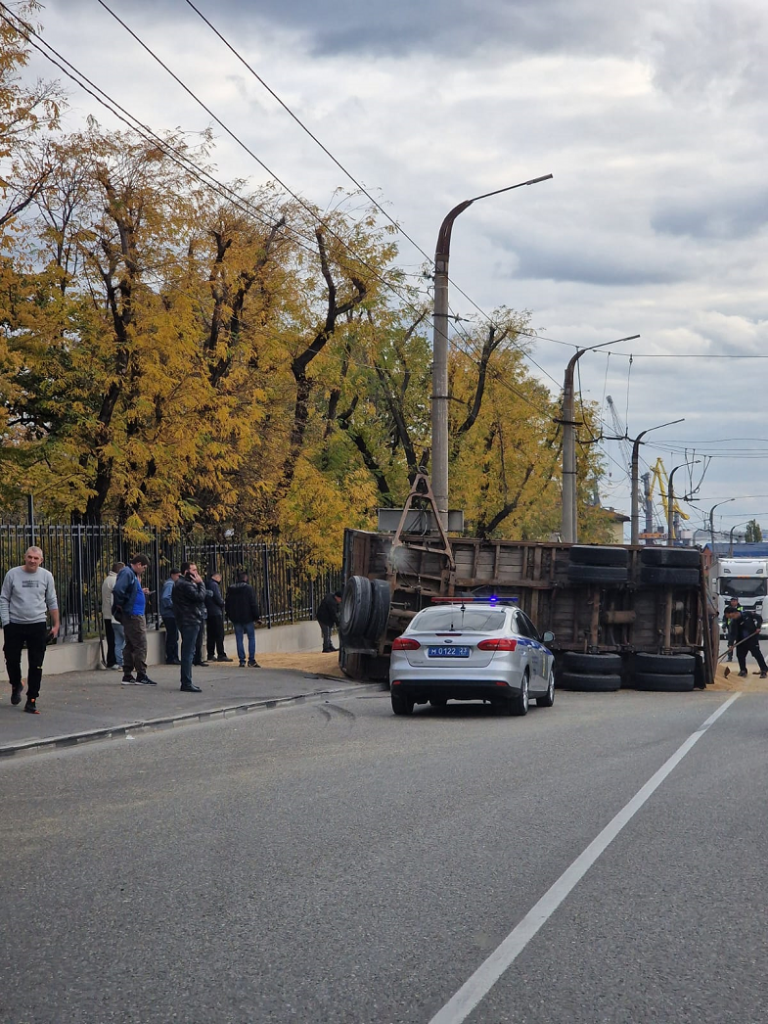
[(448, 652)]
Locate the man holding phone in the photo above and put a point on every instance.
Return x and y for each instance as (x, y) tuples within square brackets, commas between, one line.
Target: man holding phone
[(188, 597)]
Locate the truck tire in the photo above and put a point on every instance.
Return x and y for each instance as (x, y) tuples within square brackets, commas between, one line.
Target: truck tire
[(592, 664), (609, 575), (651, 576), (663, 683), (598, 554), (589, 683), (678, 558), (379, 614), (665, 664), (355, 606)]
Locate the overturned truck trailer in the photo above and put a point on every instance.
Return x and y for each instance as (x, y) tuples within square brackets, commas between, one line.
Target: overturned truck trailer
[(621, 615)]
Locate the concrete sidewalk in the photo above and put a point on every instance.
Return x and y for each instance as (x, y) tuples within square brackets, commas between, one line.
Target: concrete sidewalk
[(80, 706)]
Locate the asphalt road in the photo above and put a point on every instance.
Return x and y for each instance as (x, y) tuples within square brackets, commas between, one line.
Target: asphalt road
[(331, 863)]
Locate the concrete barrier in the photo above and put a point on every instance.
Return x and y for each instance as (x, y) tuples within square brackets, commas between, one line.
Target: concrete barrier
[(74, 657)]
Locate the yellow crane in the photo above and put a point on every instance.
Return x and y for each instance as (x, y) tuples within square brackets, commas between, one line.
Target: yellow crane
[(659, 476)]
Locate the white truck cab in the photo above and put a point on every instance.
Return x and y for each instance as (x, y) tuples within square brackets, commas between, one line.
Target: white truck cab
[(747, 580)]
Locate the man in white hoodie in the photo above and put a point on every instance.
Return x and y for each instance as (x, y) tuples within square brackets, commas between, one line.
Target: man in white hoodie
[(27, 595), (113, 630)]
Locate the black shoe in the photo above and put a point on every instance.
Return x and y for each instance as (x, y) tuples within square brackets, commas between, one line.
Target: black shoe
[(223, 657), (200, 664), (16, 694), (743, 672), (253, 664), (191, 689), (127, 679), (174, 662), (242, 664), (146, 679), (31, 706), (328, 650)]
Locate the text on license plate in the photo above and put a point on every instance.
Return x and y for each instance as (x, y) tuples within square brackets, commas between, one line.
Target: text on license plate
[(448, 652)]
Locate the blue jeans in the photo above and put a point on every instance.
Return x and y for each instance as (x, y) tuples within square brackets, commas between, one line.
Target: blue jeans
[(119, 632), (188, 633), (245, 627)]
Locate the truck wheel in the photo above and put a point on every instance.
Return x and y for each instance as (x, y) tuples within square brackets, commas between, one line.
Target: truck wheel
[(665, 664), (681, 558), (355, 606), (663, 683), (610, 575), (402, 705), (661, 576), (588, 683), (379, 614), (592, 664), (598, 554)]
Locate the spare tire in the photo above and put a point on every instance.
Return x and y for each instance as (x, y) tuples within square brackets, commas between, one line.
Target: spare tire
[(651, 576), (663, 684), (679, 558), (609, 575), (598, 554), (588, 683), (665, 664), (379, 614), (592, 664), (355, 606)]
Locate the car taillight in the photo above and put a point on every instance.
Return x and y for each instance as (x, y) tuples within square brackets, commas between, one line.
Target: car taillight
[(405, 643), (500, 643)]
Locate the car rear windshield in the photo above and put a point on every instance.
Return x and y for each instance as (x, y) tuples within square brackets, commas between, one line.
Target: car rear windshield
[(454, 617)]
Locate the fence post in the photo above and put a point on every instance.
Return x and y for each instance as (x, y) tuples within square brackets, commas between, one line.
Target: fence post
[(267, 595)]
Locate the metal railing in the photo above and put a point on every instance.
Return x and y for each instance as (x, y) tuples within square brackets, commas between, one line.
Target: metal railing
[(288, 584)]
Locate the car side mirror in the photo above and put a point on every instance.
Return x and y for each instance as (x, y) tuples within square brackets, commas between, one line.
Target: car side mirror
[(548, 637)]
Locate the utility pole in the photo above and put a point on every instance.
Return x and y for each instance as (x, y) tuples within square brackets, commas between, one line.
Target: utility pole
[(635, 511), (569, 530), (440, 351)]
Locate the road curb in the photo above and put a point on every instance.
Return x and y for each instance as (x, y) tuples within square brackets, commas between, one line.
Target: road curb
[(170, 721)]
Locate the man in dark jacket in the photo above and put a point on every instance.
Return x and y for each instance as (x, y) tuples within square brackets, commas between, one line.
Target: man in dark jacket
[(243, 611), (214, 606), (188, 598), (747, 629), (328, 617)]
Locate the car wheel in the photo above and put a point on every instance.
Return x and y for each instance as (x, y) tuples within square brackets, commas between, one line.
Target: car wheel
[(402, 705), (518, 705), (548, 699)]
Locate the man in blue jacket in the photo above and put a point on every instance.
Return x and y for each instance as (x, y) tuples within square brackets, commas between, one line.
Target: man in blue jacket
[(129, 602), (169, 620)]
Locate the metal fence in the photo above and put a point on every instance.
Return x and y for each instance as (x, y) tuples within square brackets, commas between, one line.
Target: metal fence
[(288, 584)]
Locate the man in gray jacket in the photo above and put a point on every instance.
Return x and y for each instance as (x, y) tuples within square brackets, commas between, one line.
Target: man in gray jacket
[(27, 595)]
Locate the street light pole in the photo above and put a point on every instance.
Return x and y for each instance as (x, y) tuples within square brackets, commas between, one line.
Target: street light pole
[(440, 350), (712, 521), (730, 538), (569, 530), (671, 499), (635, 510)]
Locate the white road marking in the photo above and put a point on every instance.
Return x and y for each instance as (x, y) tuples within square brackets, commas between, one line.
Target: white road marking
[(459, 1007)]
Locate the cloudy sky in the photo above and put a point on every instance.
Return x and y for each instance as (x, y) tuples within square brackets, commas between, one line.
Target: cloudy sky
[(651, 116)]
